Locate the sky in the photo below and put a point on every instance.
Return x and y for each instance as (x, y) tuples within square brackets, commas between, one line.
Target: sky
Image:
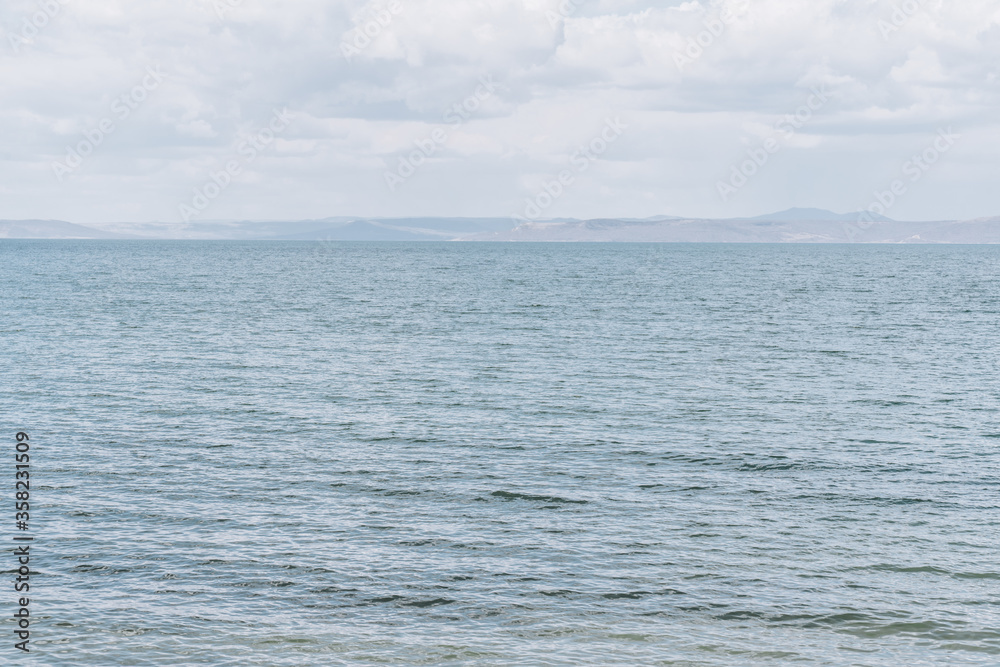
[(185, 110)]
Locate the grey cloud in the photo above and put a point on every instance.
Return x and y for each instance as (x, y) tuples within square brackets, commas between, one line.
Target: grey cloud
[(354, 117)]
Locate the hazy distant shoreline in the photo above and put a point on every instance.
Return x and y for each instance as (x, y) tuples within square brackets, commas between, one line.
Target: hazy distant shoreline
[(792, 226)]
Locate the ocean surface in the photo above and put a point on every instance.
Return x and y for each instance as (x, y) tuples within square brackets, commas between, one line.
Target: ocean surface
[(270, 453)]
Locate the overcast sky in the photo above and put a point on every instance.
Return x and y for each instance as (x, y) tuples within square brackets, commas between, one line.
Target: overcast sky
[(123, 110)]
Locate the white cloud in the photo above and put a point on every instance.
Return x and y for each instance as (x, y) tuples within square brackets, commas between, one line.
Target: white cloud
[(560, 80)]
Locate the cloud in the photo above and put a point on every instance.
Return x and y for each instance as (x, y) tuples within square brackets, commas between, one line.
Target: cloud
[(562, 69)]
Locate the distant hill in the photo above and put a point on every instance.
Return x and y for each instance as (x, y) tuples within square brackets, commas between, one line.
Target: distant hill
[(986, 230), (792, 226), (230, 230), (51, 229), (365, 230), (404, 229), (794, 214), (328, 229)]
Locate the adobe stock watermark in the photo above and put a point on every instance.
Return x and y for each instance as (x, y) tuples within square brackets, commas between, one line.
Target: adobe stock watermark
[(715, 27), (122, 107), (581, 160), (455, 115), (34, 24), (914, 169), (363, 35), (740, 174), (246, 152), (565, 10), (900, 15)]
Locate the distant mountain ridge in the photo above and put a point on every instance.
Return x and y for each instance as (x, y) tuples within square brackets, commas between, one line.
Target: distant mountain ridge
[(52, 229), (814, 214), (797, 225)]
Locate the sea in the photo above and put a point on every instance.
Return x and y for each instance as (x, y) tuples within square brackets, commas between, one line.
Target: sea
[(305, 453)]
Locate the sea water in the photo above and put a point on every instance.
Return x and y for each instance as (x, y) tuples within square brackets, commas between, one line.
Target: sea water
[(271, 453)]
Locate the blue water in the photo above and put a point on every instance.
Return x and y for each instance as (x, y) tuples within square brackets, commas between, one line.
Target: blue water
[(474, 454)]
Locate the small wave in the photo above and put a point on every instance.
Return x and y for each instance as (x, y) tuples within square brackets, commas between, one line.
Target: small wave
[(507, 495), (741, 615), (626, 596), (421, 604), (914, 569), (764, 467)]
